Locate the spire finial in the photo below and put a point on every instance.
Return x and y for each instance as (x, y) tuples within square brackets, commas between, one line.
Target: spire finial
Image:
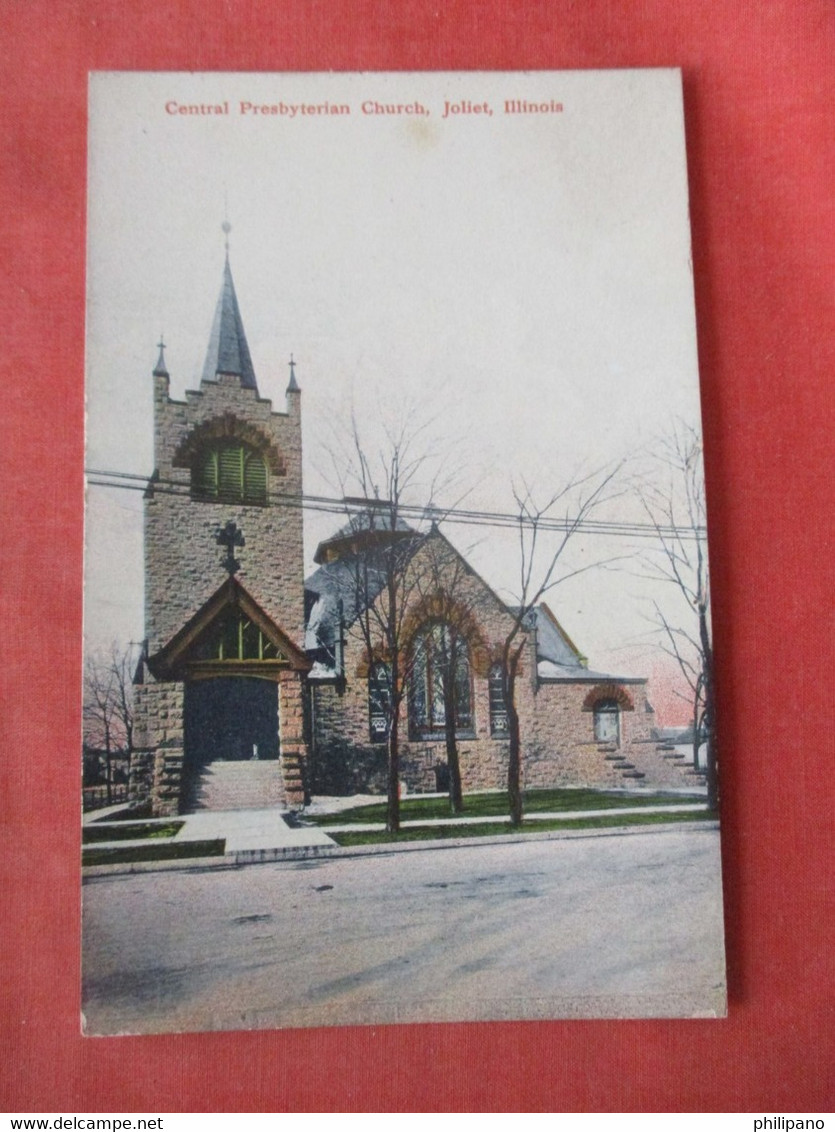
[(160, 369), (293, 385), (226, 227)]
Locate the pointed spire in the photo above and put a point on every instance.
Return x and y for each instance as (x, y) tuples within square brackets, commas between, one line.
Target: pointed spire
[(293, 385), (228, 348), (160, 369)]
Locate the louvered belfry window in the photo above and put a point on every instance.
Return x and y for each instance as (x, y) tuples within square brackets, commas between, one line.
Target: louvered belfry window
[(230, 473)]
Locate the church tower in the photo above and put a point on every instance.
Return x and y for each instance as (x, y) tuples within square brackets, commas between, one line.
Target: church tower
[(220, 689)]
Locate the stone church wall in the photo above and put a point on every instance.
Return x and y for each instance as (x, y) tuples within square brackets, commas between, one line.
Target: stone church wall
[(182, 559), (557, 726), (562, 749), (183, 568), (343, 758), (157, 771)]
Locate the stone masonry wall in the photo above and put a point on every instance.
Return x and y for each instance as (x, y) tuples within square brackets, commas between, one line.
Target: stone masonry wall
[(158, 768), (292, 746), (344, 759), (557, 728), (183, 569), (343, 754), (182, 559), (558, 744), (562, 749)]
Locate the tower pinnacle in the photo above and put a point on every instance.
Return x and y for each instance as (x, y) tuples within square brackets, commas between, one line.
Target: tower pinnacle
[(160, 369), (293, 385)]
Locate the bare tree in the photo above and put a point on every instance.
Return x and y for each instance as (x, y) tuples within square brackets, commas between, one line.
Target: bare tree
[(376, 486), (390, 579), (673, 498), (108, 707), (541, 570), (442, 587)]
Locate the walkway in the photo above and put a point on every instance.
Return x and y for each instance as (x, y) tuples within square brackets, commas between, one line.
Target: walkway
[(254, 836)]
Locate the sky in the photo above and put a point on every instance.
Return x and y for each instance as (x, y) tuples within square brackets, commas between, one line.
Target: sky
[(517, 284)]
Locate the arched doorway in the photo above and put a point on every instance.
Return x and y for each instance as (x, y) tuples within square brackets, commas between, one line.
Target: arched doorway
[(231, 744), (235, 666)]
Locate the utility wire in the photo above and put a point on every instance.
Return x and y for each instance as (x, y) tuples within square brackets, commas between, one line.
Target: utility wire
[(155, 485)]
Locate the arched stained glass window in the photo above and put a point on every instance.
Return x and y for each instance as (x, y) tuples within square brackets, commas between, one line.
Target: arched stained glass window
[(230, 472), (440, 672)]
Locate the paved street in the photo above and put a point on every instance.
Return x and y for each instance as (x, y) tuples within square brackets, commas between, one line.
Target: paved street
[(624, 925)]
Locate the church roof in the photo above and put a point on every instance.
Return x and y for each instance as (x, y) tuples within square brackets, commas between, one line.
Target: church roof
[(334, 596), (333, 592), (358, 531), (553, 643), (228, 348), (346, 584), (558, 660)]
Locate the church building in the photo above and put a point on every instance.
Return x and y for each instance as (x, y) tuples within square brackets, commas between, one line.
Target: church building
[(259, 688)]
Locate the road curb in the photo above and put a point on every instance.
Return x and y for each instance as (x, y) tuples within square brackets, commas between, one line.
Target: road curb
[(513, 838)]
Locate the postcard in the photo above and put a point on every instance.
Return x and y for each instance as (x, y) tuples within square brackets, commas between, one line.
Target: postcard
[(398, 693)]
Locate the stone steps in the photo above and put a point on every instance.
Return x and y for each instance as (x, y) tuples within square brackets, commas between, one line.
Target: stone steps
[(654, 764), (239, 784), (663, 766)]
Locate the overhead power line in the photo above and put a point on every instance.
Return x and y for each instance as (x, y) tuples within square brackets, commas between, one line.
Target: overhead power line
[(132, 481)]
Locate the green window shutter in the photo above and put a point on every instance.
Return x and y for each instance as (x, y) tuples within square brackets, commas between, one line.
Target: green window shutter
[(204, 474), (255, 479), (231, 471)]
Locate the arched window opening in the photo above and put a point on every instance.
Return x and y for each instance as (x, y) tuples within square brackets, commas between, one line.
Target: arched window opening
[(234, 637), (230, 472), (607, 721), (379, 701), (498, 707), (440, 674)]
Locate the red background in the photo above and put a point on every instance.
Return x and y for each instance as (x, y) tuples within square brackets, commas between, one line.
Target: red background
[(758, 83)]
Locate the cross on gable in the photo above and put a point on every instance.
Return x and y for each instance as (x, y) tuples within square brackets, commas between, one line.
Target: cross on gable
[(230, 536)]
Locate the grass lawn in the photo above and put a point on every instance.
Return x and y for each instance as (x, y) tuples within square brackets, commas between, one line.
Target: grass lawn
[(154, 851), (130, 831), (496, 805), (488, 829)]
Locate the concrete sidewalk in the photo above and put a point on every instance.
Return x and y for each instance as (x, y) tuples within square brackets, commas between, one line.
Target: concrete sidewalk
[(254, 836), (248, 836), (251, 830)]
